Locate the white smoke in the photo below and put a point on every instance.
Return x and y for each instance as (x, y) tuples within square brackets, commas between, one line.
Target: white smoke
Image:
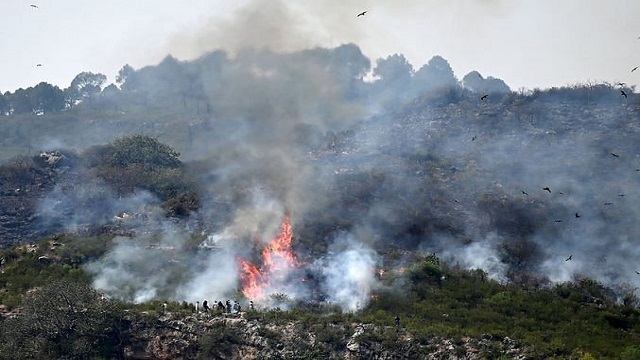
[(214, 280), (348, 273)]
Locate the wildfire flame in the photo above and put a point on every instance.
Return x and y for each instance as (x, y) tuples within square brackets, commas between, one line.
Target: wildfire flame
[(277, 258)]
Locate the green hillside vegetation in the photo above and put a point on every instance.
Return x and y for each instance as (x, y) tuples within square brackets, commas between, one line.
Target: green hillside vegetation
[(415, 162), (567, 320)]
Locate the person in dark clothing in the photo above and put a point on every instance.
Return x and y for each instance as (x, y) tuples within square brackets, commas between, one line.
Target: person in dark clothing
[(220, 306), (228, 306), (205, 306), (397, 321)]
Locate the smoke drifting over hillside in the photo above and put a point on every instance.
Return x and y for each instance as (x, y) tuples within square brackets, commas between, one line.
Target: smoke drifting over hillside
[(411, 159)]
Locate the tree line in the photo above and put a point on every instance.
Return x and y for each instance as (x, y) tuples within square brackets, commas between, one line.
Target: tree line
[(209, 83), (44, 97)]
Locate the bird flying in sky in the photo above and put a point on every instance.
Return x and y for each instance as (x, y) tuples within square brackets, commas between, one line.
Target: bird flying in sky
[(635, 68), (34, 6), (569, 258), (623, 93), (362, 14)]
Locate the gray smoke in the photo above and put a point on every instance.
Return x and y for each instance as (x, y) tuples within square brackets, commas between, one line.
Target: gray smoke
[(420, 163), (348, 271)]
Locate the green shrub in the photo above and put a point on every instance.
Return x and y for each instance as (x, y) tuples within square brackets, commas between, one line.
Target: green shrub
[(631, 353), (218, 341)]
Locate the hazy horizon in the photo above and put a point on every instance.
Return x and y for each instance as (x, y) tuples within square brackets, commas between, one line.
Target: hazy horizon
[(527, 44)]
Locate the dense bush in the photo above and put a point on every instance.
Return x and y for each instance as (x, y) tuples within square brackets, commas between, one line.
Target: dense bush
[(63, 320), (218, 341)]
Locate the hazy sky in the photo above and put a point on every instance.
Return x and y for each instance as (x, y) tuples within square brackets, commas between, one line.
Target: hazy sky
[(526, 43)]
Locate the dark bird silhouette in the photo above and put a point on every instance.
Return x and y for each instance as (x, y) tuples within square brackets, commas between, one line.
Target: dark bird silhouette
[(362, 14), (569, 258), (615, 155), (547, 189), (620, 195), (608, 203), (34, 6), (635, 68), (621, 84), (473, 138), (483, 97), (623, 93), (577, 215), (637, 272), (558, 221), (38, 65), (524, 192)]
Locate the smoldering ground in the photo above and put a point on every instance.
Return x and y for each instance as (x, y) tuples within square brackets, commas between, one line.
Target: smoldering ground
[(364, 165)]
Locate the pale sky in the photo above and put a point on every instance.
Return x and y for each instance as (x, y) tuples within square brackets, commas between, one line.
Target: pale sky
[(526, 43)]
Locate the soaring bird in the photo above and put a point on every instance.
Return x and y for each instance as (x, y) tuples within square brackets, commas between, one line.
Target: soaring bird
[(623, 93), (38, 65), (484, 97), (615, 155), (577, 215), (362, 14), (524, 192), (558, 221), (635, 68), (621, 84), (637, 272), (34, 6), (473, 138), (569, 258), (547, 189)]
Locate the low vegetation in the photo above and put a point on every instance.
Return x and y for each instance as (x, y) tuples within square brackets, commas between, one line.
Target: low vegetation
[(47, 302)]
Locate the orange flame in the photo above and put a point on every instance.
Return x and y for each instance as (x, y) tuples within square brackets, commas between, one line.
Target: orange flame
[(277, 257)]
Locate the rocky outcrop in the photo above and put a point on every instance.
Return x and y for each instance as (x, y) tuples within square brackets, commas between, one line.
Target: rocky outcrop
[(23, 184), (236, 337)]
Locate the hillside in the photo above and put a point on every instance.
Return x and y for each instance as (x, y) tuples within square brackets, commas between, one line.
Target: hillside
[(494, 223)]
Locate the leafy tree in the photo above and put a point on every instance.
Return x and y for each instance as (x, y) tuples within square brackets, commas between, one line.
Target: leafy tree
[(23, 101), (175, 77), (124, 76), (63, 320), (48, 97), (84, 86), (395, 73), (395, 69), (475, 82), (140, 149), (348, 65), (437, 74), (142, 162), (5, 104), (110, 96)]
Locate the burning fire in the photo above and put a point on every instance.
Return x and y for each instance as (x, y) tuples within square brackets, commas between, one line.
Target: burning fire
[(277, 258)]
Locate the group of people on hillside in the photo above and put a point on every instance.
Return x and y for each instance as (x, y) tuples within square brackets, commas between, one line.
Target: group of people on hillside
[(227, 307)]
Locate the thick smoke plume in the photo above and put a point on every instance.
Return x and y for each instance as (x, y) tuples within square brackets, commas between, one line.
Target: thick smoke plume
[(366, 158)]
